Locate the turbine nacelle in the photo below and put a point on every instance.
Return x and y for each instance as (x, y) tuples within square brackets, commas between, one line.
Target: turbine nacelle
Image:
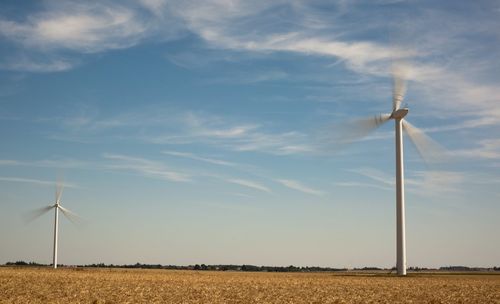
[(399, 113)]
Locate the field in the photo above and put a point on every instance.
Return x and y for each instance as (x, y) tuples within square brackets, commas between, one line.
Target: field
[(43, 285)]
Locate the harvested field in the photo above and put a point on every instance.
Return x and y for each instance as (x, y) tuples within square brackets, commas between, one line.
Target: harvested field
[(42, 285)]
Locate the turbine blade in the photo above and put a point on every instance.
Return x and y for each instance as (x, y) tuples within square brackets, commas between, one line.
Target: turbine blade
[(354, 130), (73, 217), (428, 149), (399, 73), (34, 214), (59, 188)]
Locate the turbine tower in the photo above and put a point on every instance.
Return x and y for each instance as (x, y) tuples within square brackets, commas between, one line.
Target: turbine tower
[(426, 147), (57, 206), (398, 115)]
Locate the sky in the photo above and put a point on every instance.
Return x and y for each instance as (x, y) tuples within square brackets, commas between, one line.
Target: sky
[(209, 132)]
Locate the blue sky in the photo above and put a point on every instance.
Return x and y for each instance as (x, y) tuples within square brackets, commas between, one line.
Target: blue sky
[(205, 132)]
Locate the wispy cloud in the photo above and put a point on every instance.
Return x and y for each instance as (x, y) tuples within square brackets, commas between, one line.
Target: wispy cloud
[(33, 181), (252, 77), (442, 74), (243, 137), (298, 186), (240, 194), (249, 184), (196, 157), (8, 162), (375, 175), (145, 167), (362, 185), (83, 27), (183, 128), (63, 163), (487, 149), (428, 183), (241, 26), (32, 65), (424, 183), (154, 6)]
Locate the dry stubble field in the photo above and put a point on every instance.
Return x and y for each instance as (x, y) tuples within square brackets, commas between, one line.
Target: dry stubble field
[(43, 285)]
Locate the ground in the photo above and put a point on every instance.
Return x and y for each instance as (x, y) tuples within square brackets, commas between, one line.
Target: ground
[(77, 285)]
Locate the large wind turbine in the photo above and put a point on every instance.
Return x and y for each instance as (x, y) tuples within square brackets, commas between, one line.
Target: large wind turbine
[(426, 147), (57, 206)]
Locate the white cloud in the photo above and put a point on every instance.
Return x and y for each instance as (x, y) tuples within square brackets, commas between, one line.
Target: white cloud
[(145, 167), (223, 132), (86, 28), (166, 126), (362, 185), (448, 88), (443, 64), (487, 149), (249, 77), (356, 54), (154, 6), (64, 31), (376, 175), (241, 25), (29, 65), (8, 162), (240, 194), (196, 157), (430, 183), (33, 181), (232, 132), (65, 163), (424, 183), (295, 185), (249, 184)]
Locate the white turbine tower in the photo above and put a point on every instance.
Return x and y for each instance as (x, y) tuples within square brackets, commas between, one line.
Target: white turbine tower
[(426, 147), (57, 206)]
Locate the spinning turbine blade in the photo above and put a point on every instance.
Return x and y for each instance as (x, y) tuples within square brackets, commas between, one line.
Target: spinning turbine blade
[(357, 129), (34, 214), (59, 189), (399, 86), (381, 119), (73, 217), (429, 150)]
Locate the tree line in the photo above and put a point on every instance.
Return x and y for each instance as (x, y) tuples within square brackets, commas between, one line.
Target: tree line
[(245, 267)]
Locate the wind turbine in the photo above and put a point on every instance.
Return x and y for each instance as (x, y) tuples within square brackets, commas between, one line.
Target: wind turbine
[(73, 217), (426, 147)]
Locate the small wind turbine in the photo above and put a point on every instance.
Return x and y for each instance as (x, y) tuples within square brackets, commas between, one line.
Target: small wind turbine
[(426, 147), (57, 206)]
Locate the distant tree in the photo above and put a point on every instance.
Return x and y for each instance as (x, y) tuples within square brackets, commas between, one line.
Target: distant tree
[(23, 263), (292, 268), (455, 268)]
